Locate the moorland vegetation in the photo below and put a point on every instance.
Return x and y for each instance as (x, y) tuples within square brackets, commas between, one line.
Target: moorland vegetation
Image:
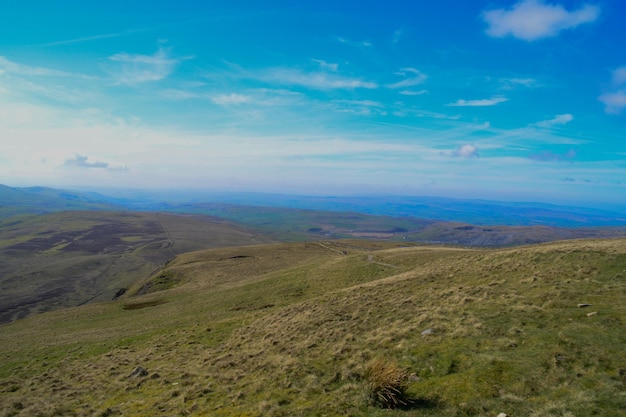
[(337, 327)]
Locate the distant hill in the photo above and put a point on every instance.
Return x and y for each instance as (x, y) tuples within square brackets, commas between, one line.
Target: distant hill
[(65, 259), (478, 212), (38, 200), (288, 224), (338, 328), (297, 218), (475, 212)]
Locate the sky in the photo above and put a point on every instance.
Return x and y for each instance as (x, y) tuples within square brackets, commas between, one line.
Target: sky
[(499, 99)]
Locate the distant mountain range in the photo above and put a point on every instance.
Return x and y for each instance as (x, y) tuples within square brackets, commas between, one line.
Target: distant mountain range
[(477, 212)]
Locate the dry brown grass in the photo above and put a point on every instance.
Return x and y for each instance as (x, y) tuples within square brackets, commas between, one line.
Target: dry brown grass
[(387, 383)]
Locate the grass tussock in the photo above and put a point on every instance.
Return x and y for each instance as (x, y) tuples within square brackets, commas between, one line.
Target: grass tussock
[(387, 383)]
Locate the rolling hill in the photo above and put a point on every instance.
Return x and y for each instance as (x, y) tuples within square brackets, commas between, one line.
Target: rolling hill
[(65, 259), (312, 328), (40, 200)]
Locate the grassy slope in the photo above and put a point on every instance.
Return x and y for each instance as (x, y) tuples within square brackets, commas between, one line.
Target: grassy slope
[(65, 259), (290, 329)]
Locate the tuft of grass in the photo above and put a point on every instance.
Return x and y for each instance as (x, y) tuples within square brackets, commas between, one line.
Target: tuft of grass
[(387, 383)]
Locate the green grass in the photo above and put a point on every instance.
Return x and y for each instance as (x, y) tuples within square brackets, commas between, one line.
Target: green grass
[(294, 329)]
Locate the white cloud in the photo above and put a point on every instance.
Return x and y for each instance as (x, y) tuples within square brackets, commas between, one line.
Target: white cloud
[(413, 77), (615, 102), (314, 80), (81, 161), (137, 68), (615, 99), (413, 93), (478, 103), (560, 119), (534, 19), (466, 151)]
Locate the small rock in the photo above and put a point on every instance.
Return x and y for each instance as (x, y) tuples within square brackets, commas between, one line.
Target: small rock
[(503, 415), (593, 313), (583, 305), (138, 372), (427, 332)]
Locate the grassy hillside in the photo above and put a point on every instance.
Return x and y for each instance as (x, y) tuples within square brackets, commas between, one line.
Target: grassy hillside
[(310, 328), (71, 258)]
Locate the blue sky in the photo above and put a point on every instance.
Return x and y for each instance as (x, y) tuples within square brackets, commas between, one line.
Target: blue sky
[(497, 99)]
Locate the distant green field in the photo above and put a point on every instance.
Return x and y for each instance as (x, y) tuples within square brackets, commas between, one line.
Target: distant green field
[(300, 329)]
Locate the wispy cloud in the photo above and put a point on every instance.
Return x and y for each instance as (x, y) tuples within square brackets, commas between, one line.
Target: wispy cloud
[(327, 66), (230, 99), (530, 20), (558, 120), (360, 107), (27, 82), (138, 68), (549, 156), (178, 94), (413, 93), (511, 83), (11, 67), (81, 161), (314, 80), (92, 38), (478, 103), (615, 99), (397, 35), (349, 42), (619, 76), (412, 77)]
